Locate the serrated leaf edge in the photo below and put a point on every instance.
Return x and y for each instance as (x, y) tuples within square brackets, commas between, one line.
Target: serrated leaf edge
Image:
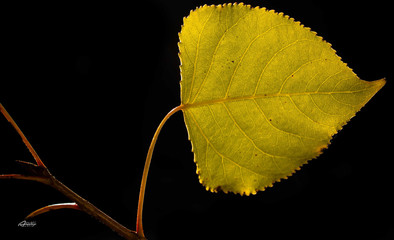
[(380, 84)]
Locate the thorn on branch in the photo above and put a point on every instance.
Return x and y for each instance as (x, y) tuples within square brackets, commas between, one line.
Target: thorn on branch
[(25, 177), (34, 173), (53, 207)]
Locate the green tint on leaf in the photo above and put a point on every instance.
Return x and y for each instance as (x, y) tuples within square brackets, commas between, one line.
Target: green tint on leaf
[(261, 95)]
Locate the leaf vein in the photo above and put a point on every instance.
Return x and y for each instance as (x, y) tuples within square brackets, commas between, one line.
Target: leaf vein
[(275, 127), (298, 69), (266, 95), (320, 109), (216, 151), (314, 121), (244, 133), (246, 50), (273, 57), (325, 80), (196, 57), (214, 54)]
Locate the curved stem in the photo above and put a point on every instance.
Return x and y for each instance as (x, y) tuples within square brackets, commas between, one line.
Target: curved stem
[(140, 230), (41, 174)]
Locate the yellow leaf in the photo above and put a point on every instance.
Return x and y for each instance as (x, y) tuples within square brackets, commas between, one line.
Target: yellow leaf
[(261, 95)]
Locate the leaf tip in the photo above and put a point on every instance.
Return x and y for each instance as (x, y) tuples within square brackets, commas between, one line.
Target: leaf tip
[(379, 83)]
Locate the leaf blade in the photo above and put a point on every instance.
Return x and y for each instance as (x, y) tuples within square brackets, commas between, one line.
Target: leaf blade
[(262, 95)]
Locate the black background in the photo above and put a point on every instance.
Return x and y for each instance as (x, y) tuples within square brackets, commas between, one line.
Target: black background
[(89, 83)]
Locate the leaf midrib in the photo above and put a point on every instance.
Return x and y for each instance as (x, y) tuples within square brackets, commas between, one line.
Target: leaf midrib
[(267, 95)]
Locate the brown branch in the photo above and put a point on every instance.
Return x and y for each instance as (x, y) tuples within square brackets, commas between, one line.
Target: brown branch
[(40, 173), (24, 139), (92, 210), (47, 178)]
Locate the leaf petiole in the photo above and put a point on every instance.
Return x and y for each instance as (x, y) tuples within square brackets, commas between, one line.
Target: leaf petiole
[(140, 231)]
